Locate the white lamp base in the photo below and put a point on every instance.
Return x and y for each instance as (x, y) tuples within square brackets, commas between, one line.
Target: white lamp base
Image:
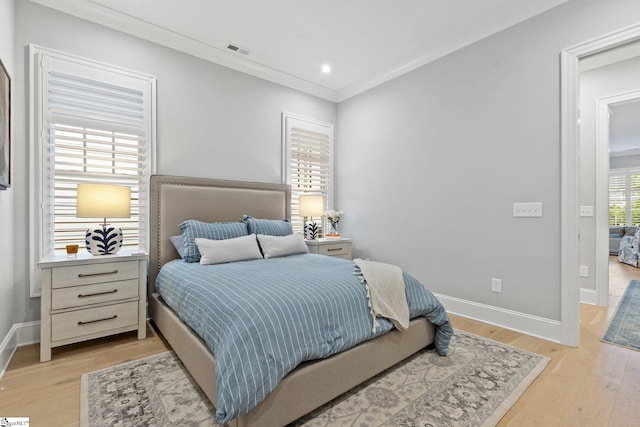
[(103, 239)]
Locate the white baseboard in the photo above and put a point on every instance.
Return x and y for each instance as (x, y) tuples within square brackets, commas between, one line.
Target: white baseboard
[(536, 326), (20, 334), (7, 348), (588, 296)]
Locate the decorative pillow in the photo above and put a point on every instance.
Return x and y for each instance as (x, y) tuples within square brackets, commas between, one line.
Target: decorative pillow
[(191, 229), (277, 246), (616, 231), (178, 243), (228, 250), (270, 227)]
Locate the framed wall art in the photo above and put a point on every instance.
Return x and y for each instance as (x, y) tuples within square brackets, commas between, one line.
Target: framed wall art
[(5, 128)]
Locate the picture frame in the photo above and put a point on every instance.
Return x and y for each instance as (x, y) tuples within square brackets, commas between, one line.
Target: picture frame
[(5, 128)]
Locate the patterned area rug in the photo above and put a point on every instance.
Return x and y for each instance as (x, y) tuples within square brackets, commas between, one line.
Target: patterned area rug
[(474, 386), (624, 329)]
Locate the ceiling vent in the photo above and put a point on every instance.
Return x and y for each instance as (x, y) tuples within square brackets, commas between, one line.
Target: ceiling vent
[(237, 49)]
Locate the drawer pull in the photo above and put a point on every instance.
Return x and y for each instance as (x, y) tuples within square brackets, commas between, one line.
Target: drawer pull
[(98, 274), (97, 294), (333, 249), (115, 316)]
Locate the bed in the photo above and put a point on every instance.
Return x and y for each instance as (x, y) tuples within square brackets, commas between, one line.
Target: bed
[(312, 383)]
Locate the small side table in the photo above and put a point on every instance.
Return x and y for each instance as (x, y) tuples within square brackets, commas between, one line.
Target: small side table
[(86, 297), (339, 248)]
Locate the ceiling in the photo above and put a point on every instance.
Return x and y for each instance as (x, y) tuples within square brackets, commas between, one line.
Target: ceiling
[(624, 128), (366, 42)]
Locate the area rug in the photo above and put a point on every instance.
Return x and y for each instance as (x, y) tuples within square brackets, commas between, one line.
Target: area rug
[(624, 329), (474, 386)]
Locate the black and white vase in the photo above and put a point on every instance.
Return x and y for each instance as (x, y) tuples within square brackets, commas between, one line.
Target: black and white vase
[(103, 239)]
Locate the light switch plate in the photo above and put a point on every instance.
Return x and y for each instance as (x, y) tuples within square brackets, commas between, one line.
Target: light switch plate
[(530, 210), (586, 210)]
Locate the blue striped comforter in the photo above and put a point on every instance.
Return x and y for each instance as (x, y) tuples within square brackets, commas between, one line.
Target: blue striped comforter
[(263, 317)]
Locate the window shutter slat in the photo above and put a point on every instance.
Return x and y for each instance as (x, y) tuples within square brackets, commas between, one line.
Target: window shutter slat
[(309, 162)]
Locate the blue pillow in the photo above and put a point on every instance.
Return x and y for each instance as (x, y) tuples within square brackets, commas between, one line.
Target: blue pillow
[(178, 243), (192, 229), (269, 227)]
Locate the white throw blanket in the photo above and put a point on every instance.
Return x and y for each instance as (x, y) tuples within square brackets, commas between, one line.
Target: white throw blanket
[(385, 290)]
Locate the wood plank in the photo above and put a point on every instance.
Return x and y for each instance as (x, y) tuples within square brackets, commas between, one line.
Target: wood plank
[(49, 393)]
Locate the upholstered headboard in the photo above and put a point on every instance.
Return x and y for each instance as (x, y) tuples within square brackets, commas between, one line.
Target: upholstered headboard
[(175, 199)]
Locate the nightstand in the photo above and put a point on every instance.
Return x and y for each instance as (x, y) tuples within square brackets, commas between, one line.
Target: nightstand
[(339, 248), (87, 297)]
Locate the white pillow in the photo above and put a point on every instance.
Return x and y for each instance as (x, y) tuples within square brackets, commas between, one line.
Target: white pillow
[(277, 246), (228, 250)]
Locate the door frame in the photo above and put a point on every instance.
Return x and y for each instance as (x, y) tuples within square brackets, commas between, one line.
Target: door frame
[(602, 191), (570, 168)]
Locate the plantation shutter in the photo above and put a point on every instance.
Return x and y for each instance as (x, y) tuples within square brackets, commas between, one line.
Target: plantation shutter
[(308, 162), (634, 197), (624, 197), (97, 127), (617, 198)]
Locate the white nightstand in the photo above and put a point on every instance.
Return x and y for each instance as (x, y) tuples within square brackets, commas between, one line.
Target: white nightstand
[(87, 297), (339, 248)]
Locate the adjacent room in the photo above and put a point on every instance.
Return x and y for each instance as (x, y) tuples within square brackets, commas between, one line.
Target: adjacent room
[(319, 213)]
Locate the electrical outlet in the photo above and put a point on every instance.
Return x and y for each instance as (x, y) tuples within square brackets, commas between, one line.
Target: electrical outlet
[(496, 285), (584, 271)]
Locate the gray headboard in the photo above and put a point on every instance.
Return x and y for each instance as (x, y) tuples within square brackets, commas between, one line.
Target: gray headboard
[(175, 199)]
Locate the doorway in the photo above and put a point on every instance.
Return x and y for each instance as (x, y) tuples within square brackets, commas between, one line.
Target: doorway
[(609, 141), (570, 164), (618, 149)]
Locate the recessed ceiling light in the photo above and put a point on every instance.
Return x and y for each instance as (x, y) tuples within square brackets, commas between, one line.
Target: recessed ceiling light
[(326, 68)]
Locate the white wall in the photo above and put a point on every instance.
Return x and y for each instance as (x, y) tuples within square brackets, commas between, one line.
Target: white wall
[(6, 202), (212, 121), (610, 80), (430, 163)]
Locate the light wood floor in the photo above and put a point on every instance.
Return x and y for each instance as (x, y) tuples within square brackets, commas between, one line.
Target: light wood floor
[(596, 384)]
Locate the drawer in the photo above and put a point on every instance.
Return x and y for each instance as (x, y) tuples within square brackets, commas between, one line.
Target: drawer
[(78, 323), (335, 249), (77, 296), (93, 273)]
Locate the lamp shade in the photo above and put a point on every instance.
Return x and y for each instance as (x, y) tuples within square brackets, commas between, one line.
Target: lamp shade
[(311, 205), (103, 201)]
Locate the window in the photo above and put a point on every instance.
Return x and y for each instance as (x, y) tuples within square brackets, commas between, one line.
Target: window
[(308, 161), (93, 123), (624, 197)]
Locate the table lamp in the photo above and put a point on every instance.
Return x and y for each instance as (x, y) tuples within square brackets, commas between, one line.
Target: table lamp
[(311, 205), (103, 201)]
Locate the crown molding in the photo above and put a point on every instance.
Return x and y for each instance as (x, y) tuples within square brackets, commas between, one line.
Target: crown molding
[(119, 21), (112, 18)]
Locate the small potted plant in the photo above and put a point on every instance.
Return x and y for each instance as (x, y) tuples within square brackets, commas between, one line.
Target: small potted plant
[(334, 218)]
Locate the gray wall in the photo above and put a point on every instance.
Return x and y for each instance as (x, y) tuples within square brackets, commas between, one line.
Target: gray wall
[(6, 197), (610, 80), (624, 162), (430, 163), (212, 121)]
